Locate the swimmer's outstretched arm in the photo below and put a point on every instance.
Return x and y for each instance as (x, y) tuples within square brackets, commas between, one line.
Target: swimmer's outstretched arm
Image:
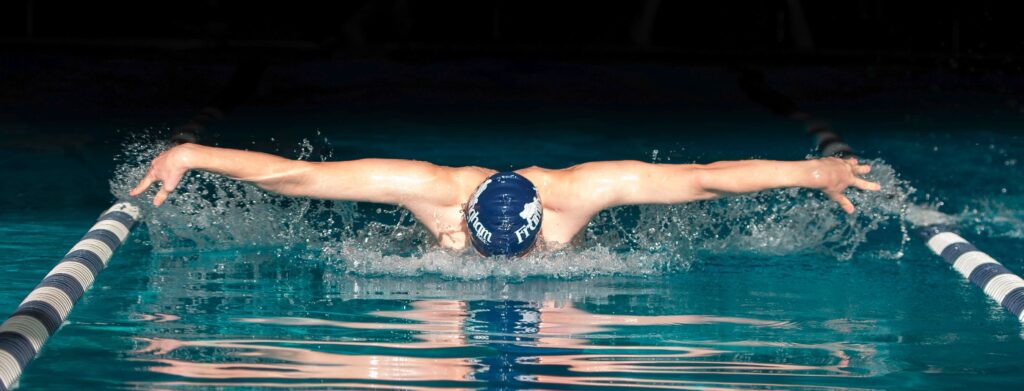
[(399, 182), (608, 184)]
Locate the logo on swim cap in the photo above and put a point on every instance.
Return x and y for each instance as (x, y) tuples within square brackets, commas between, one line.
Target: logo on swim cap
[(531, 213), (504, 215)]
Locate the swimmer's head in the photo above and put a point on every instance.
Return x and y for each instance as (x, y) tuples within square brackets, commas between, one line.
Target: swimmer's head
[(504, 215)]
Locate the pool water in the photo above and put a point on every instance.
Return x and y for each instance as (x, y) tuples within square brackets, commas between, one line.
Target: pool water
[(227, 287)]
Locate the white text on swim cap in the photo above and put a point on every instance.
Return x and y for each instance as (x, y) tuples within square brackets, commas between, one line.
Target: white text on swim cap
[(481, 232), (473, 217)]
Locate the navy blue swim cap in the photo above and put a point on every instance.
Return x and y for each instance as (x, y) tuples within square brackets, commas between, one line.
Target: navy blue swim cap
[(504, 215)]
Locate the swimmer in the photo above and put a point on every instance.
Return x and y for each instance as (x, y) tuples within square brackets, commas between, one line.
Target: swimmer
[(504, 213)]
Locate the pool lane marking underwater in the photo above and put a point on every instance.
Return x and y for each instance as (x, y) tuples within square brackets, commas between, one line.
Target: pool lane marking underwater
[(42, 312), (998, 282)]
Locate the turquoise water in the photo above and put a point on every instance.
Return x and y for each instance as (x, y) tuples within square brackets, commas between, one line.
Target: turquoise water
[(227, 287)]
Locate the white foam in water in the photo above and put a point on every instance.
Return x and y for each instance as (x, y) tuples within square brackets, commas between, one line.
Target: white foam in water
[(996, 216), (575, 263), (213, 213), (925, 215)]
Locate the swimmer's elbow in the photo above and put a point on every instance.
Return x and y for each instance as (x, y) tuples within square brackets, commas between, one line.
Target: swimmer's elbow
[(668, 184), (297, 179), (704, 183)]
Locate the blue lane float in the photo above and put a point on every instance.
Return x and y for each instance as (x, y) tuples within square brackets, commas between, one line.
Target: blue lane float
[(41, 314), (998, 282)]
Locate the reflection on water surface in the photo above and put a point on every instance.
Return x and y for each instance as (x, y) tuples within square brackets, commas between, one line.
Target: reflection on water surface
[(533, 334)]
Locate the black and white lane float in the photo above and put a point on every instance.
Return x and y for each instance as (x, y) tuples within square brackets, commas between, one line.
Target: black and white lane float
[(998, 282), (39, 316)]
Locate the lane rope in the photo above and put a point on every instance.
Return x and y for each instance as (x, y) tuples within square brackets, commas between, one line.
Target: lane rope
[(998, 282), (45, 309)]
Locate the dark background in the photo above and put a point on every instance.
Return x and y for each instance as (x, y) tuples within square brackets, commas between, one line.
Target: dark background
[(125, 64), (791, 32)]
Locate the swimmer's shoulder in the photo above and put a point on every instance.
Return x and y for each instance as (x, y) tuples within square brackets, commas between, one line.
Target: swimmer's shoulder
[(549, 176), (465, 179), (541, 177), (554, 186), (450, 173), (471, 175)]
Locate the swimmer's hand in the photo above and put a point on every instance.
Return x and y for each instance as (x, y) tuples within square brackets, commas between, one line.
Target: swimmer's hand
[(833, 176), (168, 168)]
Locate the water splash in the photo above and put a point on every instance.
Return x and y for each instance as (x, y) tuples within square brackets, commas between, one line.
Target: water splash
[(928, 214), (213, 213), (997, 216), (778, 222), (993, 217)]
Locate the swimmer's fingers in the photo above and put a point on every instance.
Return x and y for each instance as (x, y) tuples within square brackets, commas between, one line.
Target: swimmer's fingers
[(866, 185), (843, 202), (166, 188), (856, 167), (160, 197), (143, 184), (861, 169)]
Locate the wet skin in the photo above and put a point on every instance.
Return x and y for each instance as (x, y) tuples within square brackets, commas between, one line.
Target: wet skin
[(571, 197)]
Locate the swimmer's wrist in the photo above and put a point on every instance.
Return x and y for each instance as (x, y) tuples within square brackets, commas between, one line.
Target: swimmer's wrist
[(189, 156), (786, 174), (814, 174)]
